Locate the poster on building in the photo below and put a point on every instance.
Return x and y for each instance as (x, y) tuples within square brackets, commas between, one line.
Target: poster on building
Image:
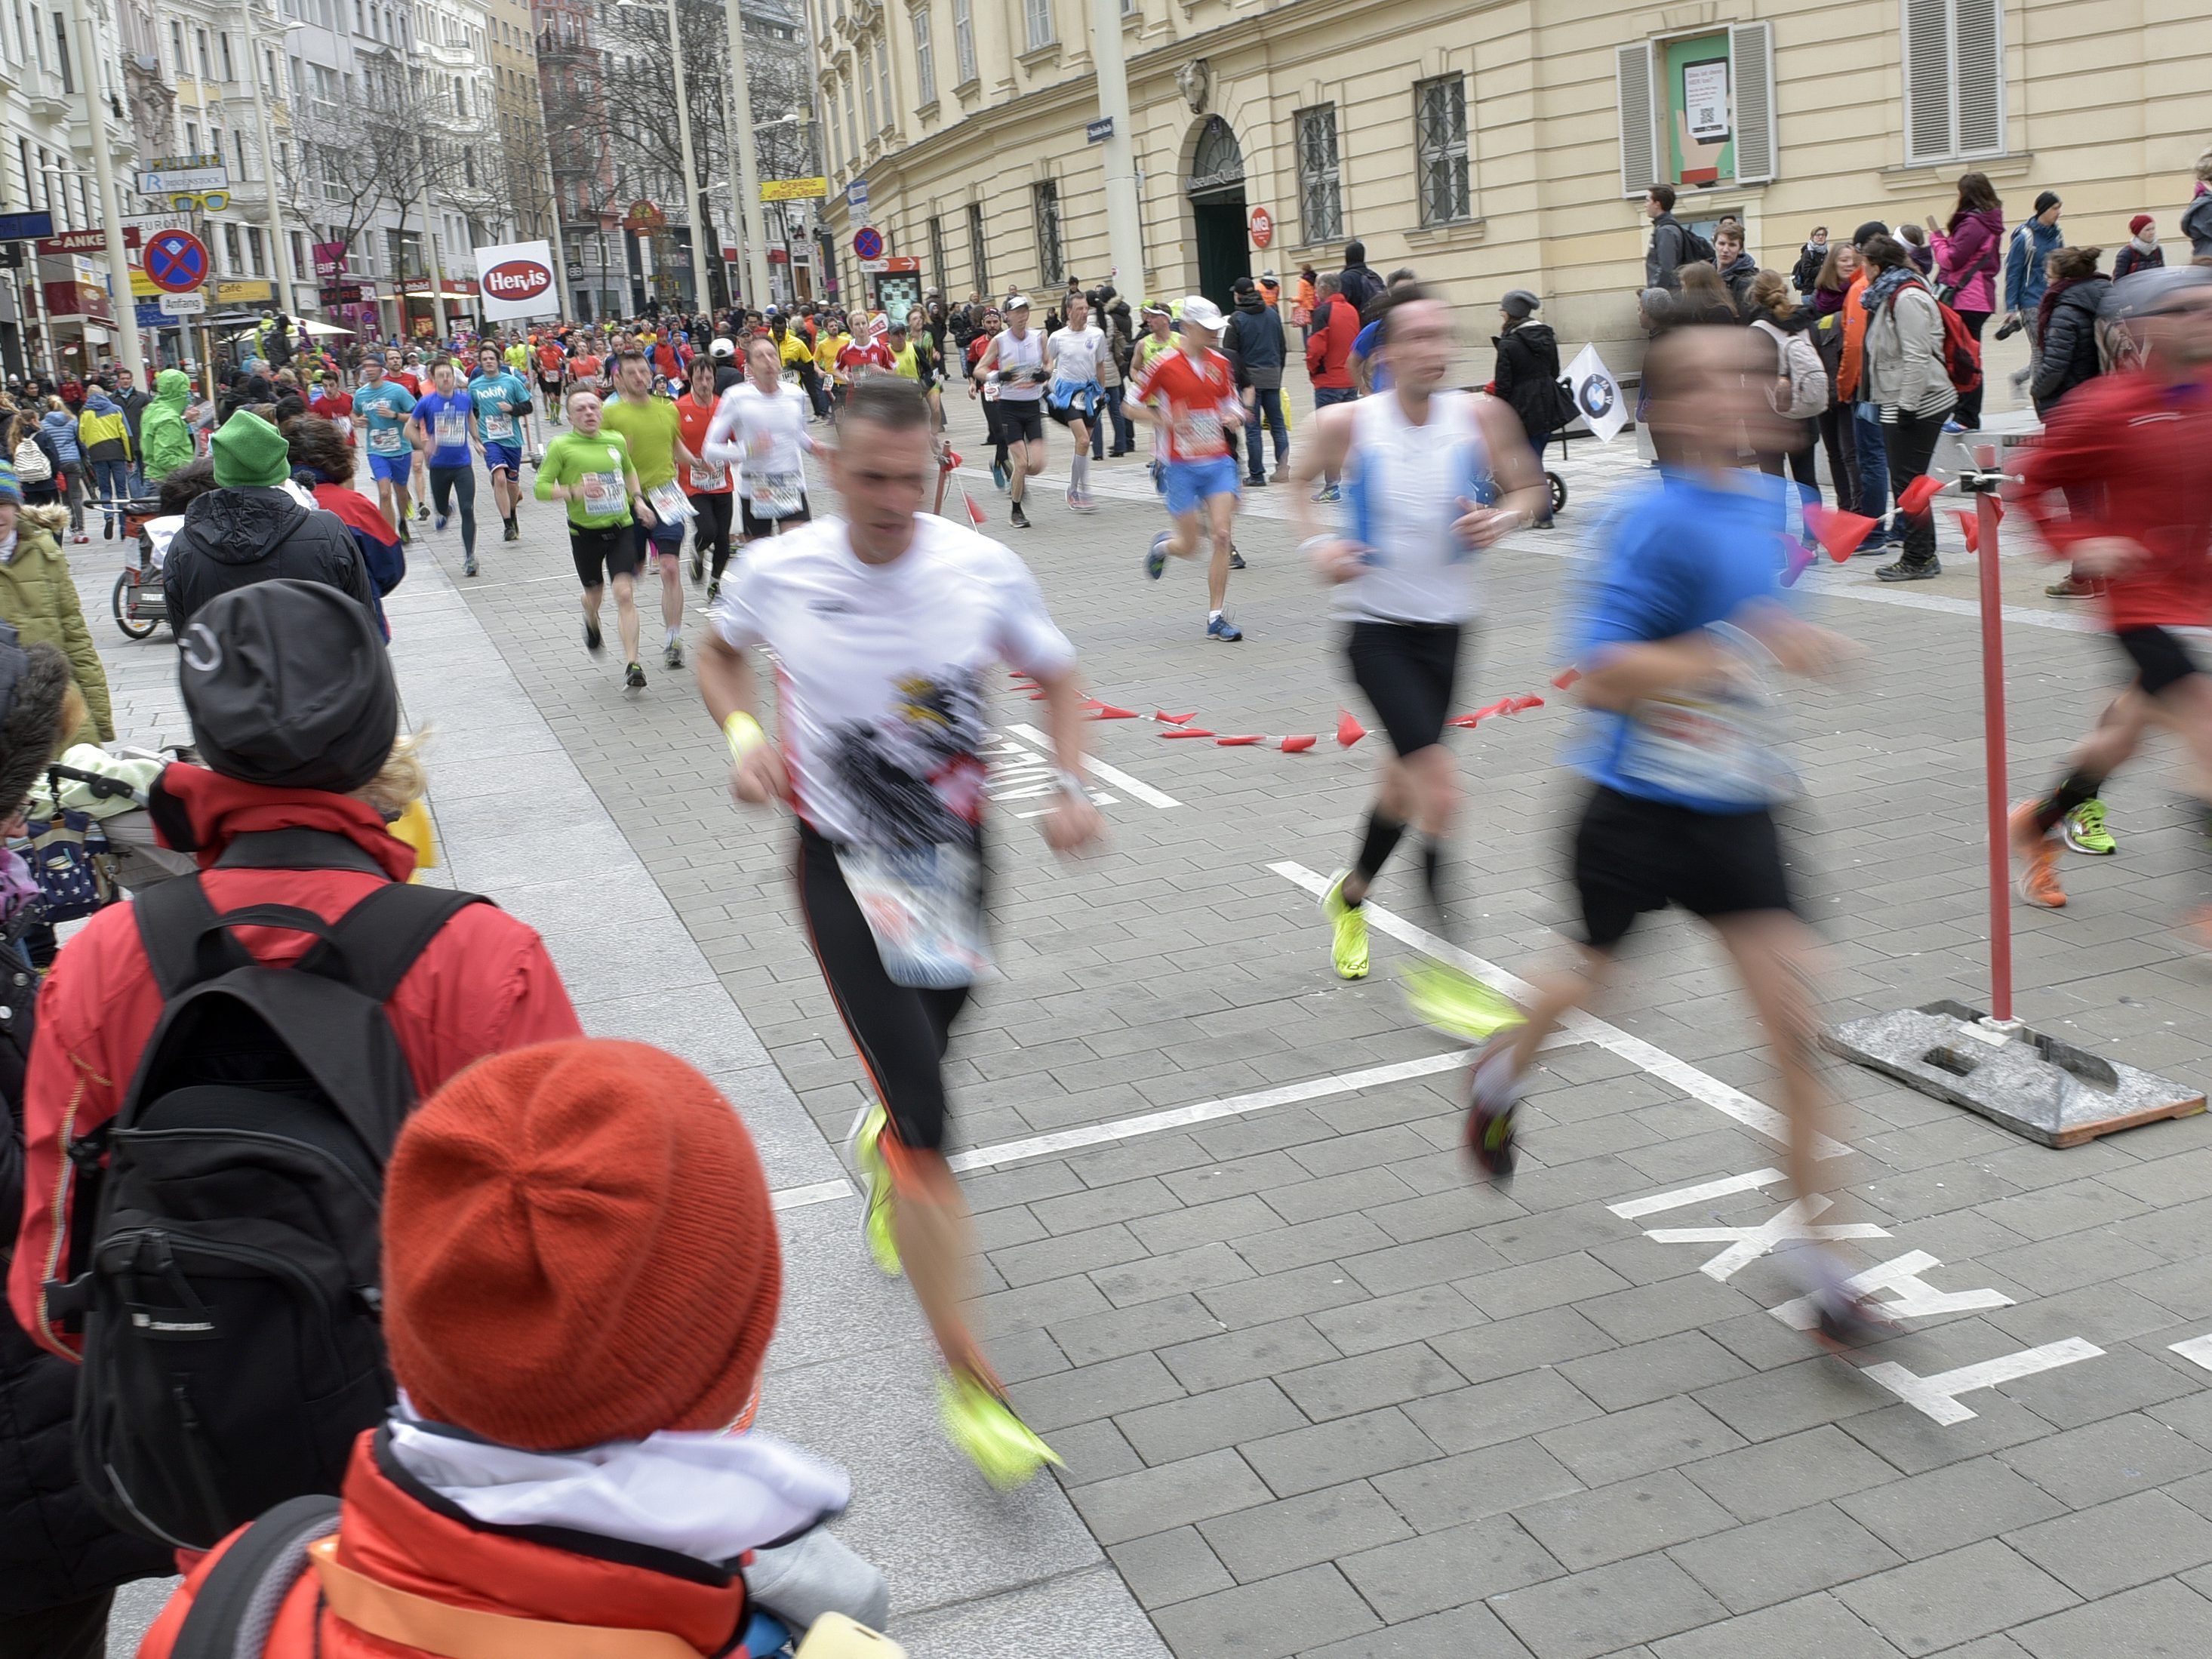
[(515, 279), (1700, 120)]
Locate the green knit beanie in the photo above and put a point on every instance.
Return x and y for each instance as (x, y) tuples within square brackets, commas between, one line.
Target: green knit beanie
[(250, 451)]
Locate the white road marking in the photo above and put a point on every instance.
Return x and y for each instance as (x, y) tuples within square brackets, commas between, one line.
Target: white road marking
[(821, 1192), (1754, 1114), (1682, 1197), (1914, 1298), (1205, 1111), (1936, 1396), (1114, 774), (2197, 1350), (1747, 1245)]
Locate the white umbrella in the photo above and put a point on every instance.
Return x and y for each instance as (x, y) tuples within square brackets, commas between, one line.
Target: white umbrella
[(314, 327)]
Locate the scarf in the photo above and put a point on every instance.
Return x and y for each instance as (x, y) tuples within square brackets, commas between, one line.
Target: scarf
[(2144, 244), (711, 1497), (1879, 291)]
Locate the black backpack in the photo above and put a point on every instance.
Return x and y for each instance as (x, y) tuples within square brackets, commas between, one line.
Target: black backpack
[(230, 1303), (1696, 250)]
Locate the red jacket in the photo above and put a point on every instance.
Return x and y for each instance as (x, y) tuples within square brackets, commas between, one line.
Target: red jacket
[(2127, 450), (484, 985), (395, 1533), (1329, 343)]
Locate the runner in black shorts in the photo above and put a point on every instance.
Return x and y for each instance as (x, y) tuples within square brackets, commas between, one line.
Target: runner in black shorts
[(887, 625), (1432, 476), (590, 469), (2119, 485), (1680, 632)]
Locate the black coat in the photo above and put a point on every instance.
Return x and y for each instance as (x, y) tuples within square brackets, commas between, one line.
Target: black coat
[(54, 1547), (2069, 353), (235, 538), (1528, 378), (1254, 343)]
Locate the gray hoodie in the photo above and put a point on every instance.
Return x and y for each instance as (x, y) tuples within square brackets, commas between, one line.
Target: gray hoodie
[(1905, 353)]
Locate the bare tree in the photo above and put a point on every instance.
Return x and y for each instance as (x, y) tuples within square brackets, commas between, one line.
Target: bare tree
[(328, 172)]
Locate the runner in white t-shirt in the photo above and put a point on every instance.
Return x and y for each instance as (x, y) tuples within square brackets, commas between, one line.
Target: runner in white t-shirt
[(760, 426), (1071, 354), (886, 627), (1014, 362), (1431, 477)]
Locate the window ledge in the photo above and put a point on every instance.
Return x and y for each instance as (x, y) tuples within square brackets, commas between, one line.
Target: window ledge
[(1039, 56), (1457, 233), (927, 111), (1919, 175), (965, 91)]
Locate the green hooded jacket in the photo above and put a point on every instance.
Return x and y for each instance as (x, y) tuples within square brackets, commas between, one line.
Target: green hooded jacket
[(167, 440)]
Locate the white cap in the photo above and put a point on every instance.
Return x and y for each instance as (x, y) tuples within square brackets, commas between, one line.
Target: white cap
[(1017, 302), (1197, 308), (724, 348)]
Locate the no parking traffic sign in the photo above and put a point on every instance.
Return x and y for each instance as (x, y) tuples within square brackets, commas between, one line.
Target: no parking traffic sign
[(176, 261), (868, 243)]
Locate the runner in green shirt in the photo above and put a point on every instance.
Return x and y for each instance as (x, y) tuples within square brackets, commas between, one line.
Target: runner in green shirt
[(653, 428), (591, 469)]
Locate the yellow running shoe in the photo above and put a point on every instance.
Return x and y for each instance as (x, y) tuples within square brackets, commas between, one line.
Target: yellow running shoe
[(978, 1421), (1455, 1002), (1347, 951), (875, 1221)]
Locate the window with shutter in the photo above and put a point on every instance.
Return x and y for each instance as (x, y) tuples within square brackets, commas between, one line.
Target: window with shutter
[(976, 261), (1320, 209), (1037, 24), (1751, 73), (1954, 78), (1633, 82), (1440, 148), (964, 39), (1052, 265)]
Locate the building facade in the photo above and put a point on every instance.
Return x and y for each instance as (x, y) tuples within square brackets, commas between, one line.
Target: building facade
[(1490, 145)]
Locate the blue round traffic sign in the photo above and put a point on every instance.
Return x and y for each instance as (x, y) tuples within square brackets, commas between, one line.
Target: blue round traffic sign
[(176, 261), (868, 242)]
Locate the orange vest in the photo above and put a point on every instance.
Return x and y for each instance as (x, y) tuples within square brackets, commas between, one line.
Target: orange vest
[(389, 1539), (1855, 328)]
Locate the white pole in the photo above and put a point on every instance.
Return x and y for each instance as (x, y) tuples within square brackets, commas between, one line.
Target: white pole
[(1125, 236), (744, 173), (279, 252), (700, 232), (561, 284), (103, 164)]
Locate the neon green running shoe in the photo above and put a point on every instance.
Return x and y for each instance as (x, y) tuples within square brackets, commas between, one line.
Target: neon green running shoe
[(1455, 1002), (876, 1221), (1347, 951), (978, 1421), (2084, 832)]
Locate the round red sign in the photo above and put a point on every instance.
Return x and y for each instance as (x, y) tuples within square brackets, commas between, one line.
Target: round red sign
[(517, 279), (1263, 227)]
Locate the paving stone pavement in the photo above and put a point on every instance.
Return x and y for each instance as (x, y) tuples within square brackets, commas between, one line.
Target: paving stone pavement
[(1318, 1395)]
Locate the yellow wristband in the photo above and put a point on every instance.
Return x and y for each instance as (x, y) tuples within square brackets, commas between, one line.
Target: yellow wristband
[(745, 734)]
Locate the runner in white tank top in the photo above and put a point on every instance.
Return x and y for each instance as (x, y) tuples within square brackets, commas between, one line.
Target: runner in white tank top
[(1071, 354), (1431, 477), (1014, 362)]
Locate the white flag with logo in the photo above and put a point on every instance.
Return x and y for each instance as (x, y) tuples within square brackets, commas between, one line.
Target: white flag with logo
[(1597, 394)]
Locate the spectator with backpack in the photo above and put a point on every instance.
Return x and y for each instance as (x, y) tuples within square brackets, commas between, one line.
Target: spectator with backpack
[(59, 1561), (1526, 376), (2142, 252), (2072, 356), (581, 1278), (1799, 393), (1674, 244), (1968, 251), (2027, 257), (2196, 217), (301, 955), (1356, 283), (1908, 383)]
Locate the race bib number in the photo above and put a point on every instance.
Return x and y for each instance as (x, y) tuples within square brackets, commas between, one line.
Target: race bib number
[(603, 494), (704, 477), (385, 441), (1199, 434), (669, 503), (451, 428), (1719, 741), (925, 906), (775, 495), (498, 427)]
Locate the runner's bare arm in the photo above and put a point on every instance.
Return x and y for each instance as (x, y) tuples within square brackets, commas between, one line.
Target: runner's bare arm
[(1320, 450), (1521, 491), (1073, 822), (731, 692)]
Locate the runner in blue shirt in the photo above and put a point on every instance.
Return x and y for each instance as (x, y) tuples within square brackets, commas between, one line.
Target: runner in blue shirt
[(384, 406), (1678, 637), (501, 399), (439, 426)]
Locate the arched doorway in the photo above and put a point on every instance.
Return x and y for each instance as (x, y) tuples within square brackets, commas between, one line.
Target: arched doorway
[(1217, 206)]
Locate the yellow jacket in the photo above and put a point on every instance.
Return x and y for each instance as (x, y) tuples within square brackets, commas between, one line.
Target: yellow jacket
[(106, 429)]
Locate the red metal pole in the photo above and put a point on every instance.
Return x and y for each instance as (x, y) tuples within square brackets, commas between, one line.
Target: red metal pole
[(1993, 745)]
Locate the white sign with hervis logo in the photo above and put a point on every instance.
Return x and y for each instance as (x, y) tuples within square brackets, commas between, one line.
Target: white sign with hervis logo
[(515, 279)]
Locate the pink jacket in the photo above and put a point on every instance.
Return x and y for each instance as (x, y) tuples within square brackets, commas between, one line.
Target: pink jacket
[(1969, 254)]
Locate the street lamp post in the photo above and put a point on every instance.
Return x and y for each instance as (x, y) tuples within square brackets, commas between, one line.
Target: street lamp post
[(279, 251), (103, 163), (744, 175), (694, 198)]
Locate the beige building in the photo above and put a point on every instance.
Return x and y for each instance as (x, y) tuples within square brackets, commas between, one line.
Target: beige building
[(1492, 145)]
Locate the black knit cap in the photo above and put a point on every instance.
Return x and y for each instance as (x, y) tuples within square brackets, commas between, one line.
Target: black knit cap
[(288, 684)]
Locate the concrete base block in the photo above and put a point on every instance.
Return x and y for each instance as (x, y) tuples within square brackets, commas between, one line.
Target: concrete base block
[(2036, 1086)]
